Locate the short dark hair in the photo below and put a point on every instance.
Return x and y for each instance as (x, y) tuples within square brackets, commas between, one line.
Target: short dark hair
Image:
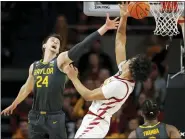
[(150, 109), (62, 47), (140, 67)]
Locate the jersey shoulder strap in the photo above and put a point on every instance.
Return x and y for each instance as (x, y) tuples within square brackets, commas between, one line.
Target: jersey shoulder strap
[(34, 65), (163, 132), (138, 132)]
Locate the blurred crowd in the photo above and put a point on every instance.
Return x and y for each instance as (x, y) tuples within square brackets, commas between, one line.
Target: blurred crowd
[(94, 67)]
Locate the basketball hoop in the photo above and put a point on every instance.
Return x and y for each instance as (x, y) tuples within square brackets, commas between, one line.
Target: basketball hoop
[(166, 15)]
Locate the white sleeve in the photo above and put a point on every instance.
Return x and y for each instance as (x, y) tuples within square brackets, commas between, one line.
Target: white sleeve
[(115, 89), (120, 67)]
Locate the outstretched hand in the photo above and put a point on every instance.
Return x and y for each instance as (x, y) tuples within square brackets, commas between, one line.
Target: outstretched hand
[(124, 9), (112, 24), (9, 110)]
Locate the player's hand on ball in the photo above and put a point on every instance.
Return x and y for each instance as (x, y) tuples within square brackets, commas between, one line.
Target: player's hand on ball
[(71, 71), (8, 111), (112, 24), (124, 9), (181, 21)]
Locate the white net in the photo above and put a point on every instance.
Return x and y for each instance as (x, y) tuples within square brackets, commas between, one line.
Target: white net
[(166, 15)]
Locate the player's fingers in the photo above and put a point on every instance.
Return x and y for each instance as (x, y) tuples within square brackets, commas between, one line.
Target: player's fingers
[(107, 15), (117, 22), (126, 3), (116, 19), (120, 6), (117, 25), (11, 111), (5, 113), (2, 112), (114, 27)]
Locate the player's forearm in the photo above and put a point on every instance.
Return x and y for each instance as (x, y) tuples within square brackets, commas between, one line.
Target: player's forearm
[(121, 32), (182, 26), (81, 88), (103, 30), (121, 41), (21, 96)]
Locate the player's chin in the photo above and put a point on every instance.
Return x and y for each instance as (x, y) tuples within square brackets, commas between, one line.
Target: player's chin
[(53, 50)]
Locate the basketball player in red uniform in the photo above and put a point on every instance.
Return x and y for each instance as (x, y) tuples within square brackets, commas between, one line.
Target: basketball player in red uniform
[(114, 92)]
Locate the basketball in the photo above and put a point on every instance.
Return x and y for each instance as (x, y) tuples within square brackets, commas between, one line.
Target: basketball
[(139, 10)]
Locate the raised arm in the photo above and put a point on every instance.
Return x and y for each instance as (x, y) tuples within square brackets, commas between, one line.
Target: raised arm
[(121, 35), (23, 93), (182, 19), (75, 52)]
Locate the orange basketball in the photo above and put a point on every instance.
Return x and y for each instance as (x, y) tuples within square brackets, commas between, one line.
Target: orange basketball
[(139, 10)]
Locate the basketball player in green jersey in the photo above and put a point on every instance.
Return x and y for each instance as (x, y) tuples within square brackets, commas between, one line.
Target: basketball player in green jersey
[(152, 128), (47, 82)]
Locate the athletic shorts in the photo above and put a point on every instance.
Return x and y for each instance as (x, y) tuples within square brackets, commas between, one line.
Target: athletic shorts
[(93, 127), (41, 124)]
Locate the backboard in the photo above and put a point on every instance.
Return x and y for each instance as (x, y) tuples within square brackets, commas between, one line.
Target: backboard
[(100, 8)]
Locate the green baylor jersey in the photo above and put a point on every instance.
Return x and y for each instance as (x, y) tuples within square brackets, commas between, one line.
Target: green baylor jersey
[(49, 84), (156, 131)]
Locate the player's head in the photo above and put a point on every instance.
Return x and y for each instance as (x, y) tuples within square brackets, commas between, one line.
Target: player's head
[(139, 67), (150, 109), (53, 43)]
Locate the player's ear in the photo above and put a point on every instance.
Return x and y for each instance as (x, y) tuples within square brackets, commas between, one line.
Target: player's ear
[(44, 46)]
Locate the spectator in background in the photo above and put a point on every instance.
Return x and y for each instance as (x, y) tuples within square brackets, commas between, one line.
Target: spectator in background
[(160, 82), (146, 87), (61, 28), (77, 125), (93, 67), (73, 39), (98, 83), (67, 107), (132, 125), (22, 131), (104, 59), (115, 128), (103, 75), (82, 106), (82, 23), (141, 100)]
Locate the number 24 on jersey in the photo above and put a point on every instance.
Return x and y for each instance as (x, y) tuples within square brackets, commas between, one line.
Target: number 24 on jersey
[(42, 81)]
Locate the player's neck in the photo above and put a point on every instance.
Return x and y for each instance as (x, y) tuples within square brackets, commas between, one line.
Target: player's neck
[(48, 56), (125, 76), (151, 122)]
